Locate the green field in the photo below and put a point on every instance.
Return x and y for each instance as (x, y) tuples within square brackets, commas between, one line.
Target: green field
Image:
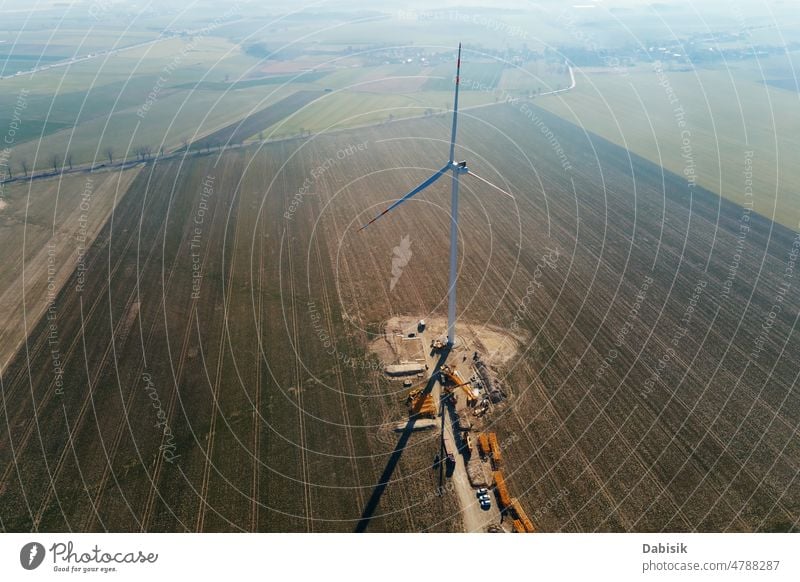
[(350, 109), (181, 115), (206, 82), (727, 113), (90, 106)]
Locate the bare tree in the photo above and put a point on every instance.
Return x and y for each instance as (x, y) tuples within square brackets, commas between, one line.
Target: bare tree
[(54, 162), (143, 152), (110, 154), (185, 143), (24, 165), (69, 160)]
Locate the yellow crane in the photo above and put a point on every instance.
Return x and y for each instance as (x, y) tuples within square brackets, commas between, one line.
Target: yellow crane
[(458, 382)]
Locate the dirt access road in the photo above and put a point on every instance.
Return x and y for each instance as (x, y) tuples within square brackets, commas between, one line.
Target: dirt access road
[(473, 517)]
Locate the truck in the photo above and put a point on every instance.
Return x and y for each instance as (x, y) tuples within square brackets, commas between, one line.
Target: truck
[(449, 453)]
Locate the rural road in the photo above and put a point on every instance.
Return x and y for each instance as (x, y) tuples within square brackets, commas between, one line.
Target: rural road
[(179, 150)]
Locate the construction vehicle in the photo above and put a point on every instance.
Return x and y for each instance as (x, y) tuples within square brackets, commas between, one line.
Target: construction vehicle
[(502, 491), (457, 380), (422, 405), (466, 445), (494, 447), (414, 393), (483, 444), (471, 398), (519, 514), (449, 453)]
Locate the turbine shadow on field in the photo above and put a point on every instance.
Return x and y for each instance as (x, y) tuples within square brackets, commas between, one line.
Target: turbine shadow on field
[(388, 471)]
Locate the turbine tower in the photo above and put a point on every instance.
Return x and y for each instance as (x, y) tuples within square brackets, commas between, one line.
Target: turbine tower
[(457, 168)]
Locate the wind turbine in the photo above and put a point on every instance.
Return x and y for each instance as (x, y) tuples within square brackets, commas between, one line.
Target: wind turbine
[(457, 168)]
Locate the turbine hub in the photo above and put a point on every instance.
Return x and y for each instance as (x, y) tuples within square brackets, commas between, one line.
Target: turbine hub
[(460, 167)]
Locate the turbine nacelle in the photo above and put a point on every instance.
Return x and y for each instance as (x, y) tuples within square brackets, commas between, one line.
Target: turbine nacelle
[(460, 167)]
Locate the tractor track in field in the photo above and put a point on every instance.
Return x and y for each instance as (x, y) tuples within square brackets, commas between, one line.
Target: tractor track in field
[(534, 446), (663, 493), (201, 514), (350, 443), (41, 343), (79, 420), (375, 384), (626, 445), (109, 471), (724, 447), (298, 371), (212, 431), (255, 489), (406, 505), (572, 441), (150, 504), (588, 466), (39, 346)]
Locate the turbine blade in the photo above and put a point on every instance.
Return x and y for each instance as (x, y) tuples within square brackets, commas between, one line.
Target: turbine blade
[(455, 108), (411, 194), (485, 181)]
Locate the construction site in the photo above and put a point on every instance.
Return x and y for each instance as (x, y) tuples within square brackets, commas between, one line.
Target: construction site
[(451, 395)]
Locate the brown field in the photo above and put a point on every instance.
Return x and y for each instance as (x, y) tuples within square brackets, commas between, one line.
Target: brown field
[(43, 228), (278, 419)]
